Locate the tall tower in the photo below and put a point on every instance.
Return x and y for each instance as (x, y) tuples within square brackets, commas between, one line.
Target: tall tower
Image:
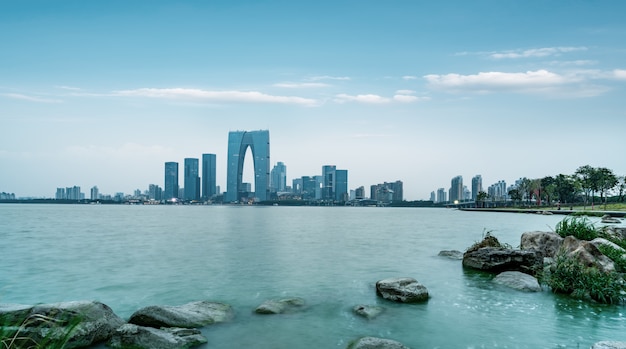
[(477, 186), (171, 180), (456, 189), (238, 144), (341, 185), (328, 190), (192, 180), (208, 176), (278, 179)]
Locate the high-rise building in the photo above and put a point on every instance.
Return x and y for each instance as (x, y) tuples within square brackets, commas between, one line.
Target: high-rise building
[(192, 179), (278, 178), (259, 144), (341, 185), (433, 197), (456, 189), (441, 195), (208, 176), (359, 193), (328, 173), (94, 193), (60, 194), (477, 186), (171, 180), (155, 192)]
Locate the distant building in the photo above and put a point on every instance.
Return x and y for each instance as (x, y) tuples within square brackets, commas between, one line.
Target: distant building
[(259, 144), (456, 189), (433, 198), (477, 186), (387, 192), (60, 194), (497, 191), (94, 193), (359, 193), (155, 192), (341, 185), (73, 193), (171, 181), (209, 172), (296, 186), (278, 178), (441, 195), (328, 173), (192, 179)]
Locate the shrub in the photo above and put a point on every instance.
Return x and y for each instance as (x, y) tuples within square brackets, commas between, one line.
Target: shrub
[(579, 227), (616, 256), (569, 276)]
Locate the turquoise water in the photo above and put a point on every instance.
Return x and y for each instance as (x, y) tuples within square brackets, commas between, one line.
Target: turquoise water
[(134, 256)]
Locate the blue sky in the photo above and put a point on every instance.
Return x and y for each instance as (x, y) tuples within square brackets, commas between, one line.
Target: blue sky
[(104, 93)]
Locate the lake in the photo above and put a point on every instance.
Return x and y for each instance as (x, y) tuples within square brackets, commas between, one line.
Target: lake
[(129, 257)]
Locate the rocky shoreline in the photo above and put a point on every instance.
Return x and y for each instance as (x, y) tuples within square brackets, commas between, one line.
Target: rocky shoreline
[(83, 324)]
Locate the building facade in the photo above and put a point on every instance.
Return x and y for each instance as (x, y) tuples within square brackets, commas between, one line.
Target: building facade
[(192, 180), (238, 144), (456, 189), (278, 178), (209, 172), (341, 185), (477, 186), (171, 181)]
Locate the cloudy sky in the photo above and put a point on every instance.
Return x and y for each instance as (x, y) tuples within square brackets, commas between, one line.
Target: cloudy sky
[(105, 92)]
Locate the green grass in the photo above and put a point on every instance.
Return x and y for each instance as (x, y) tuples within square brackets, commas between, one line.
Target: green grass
[(579, 227), (616, 256), (56, 333)]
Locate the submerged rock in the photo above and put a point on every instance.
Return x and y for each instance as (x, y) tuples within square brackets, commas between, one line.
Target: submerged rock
[(375, 343), (190, 315), (280, 306), (452, 254), (78, 324), (518, 280), (130, 336), (405, 290), (609, 345), (368, 311), (607, 219)]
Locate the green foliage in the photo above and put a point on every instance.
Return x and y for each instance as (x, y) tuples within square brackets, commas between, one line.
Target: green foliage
[(616, 256), (56, 333), (488, 241), (579, 227), (569, 276)]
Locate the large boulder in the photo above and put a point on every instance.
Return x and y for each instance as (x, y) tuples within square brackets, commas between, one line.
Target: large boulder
[(451, 254), (279, 306), (587, 254), (190, 315), (131, 336), (518, 280), (77, 324), (607, 219), (609, 345), (404, 290), (497, 259), (375, 343), (548, 243)]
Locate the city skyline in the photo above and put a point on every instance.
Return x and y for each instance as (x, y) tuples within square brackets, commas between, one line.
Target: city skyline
[(104, 93)]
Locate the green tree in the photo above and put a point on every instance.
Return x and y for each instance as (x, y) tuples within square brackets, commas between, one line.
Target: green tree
[(621, 187), (549, 188), (605, 181), (585, 177), (515, 195), (565, 188), (481, 197)]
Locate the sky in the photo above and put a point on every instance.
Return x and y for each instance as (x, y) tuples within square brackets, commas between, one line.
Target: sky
[(105, 92)]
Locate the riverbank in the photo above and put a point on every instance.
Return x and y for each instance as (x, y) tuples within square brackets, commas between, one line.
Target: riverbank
[(540, 211)]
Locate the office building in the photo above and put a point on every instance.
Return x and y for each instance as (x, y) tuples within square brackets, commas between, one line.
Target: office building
[(456, 189), (328, 173), (259, 144), (94, 193), (477, 186), (192, 180), (171, 181), (341, 185), (278, 178), (441, 195), (209, 189), (359, 193)]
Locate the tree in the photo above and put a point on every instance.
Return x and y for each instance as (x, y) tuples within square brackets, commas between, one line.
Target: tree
[(565, 188), (621, 187), (605, 181), (515, 195), (549, 188), (481, 197), (585, 177), (527, 189)]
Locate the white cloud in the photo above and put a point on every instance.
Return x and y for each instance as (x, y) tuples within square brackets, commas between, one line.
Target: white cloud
[(409, 77), (409, 99), (368, 98), (30, 98), (215, 96), (574, 84), (619, 74), (300, 84), (68, 88), (535, 52), (327, 77), (405, 92)]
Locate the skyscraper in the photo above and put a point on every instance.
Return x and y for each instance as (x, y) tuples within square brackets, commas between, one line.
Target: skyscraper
[(456, 189), (477, 186), (208, 176), (259, 144), (94, 193), (192, 180), (328, 173), (278, 178), (171, 180), (341, 185)]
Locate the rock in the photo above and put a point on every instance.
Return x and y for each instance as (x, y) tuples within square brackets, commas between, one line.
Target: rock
[(280, 306), (368, 311), (601, 241), (190, 315), (405, 290), (488, 241), (452, 254), (609, 345), (78, 324), (613, 232), (548, 243), (587, 254), (495, 259), (610, 220), (518, 280), (375, 343), (130, 336)]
